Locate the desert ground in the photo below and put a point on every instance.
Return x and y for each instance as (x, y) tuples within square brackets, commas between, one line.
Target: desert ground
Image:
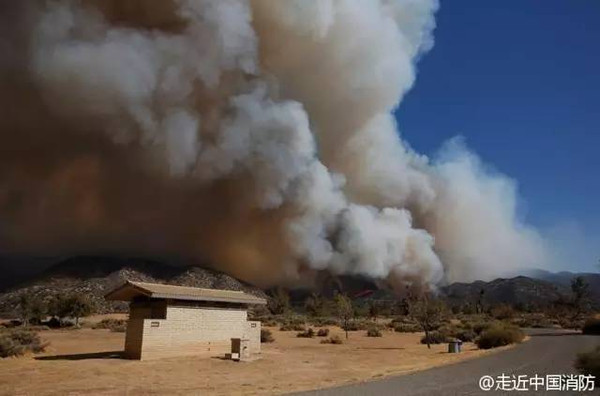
[(86, 361)]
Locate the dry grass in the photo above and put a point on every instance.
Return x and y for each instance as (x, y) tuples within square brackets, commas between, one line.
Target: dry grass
[(288, 364)]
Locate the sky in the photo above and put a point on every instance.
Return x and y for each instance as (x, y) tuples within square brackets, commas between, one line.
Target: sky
[(520, 81)]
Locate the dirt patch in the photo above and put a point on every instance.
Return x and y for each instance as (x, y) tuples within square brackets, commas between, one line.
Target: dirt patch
[(87, 361)]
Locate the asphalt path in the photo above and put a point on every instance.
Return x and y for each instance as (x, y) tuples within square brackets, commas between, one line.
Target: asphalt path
[(547, 352)]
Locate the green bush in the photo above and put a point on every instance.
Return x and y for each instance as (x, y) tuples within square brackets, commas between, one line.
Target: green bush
[(266, 336), (16, 342), (589, 363), (435, 337), (335, 339), (591, 326), (499, 335), (116, 325), (308, 333), (323, 333)]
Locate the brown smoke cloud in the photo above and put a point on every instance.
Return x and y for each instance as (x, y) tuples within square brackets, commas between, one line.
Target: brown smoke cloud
[(254, 135)]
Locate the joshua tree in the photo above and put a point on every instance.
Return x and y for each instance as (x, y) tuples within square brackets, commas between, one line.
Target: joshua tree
[(581, 292), (344, 309), (479, 304)]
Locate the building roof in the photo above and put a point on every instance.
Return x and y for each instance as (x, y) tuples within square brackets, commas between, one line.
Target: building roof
[(131, 289)]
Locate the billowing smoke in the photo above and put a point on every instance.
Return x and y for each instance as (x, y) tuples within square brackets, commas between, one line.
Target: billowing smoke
[(254, 135)]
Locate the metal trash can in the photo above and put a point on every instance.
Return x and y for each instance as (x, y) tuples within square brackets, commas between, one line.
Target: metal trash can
[(454, 346)]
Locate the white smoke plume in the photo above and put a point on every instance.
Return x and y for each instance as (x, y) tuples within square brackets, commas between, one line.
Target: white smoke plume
[(256, 135)]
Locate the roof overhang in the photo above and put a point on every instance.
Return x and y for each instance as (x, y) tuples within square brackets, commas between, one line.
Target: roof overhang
[(131, 290)]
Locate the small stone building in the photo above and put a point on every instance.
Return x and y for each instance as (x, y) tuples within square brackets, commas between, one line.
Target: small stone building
[(168, 321)]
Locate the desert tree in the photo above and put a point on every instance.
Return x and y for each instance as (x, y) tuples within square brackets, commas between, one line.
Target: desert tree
[(344, 310), (32, 309), (73, 306), (428, 312), (79, 306)]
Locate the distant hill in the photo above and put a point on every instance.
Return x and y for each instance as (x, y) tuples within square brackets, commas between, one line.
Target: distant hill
[(96, 275), (520, 291), (565, 278)]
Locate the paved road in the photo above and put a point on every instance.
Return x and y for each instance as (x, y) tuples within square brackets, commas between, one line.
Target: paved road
[(548, 352)]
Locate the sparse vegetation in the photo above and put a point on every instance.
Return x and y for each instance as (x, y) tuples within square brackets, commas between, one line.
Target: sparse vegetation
[(591, 326), (308, 333), (266, 336), (406, 327), (335, 339), (15, 342), (589, 363), (499, 335), (324, 321)]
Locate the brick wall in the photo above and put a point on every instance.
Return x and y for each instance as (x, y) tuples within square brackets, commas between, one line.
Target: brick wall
[(188, 331)]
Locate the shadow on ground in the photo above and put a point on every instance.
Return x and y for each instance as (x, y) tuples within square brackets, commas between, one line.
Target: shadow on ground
[(84, 356)]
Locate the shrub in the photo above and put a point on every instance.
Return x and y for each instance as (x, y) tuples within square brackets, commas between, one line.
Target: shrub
[(499, 335), (591, 326), (589, 363), (335, 339), (323, 333), (266, 336), (116, 325), (374, 332), (16, 342), (435, 337), (480, 327), (407, 328), (8, 347), (308, 333)]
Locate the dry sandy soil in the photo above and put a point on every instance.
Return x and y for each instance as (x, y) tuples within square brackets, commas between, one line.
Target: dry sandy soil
[(86, 362)]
